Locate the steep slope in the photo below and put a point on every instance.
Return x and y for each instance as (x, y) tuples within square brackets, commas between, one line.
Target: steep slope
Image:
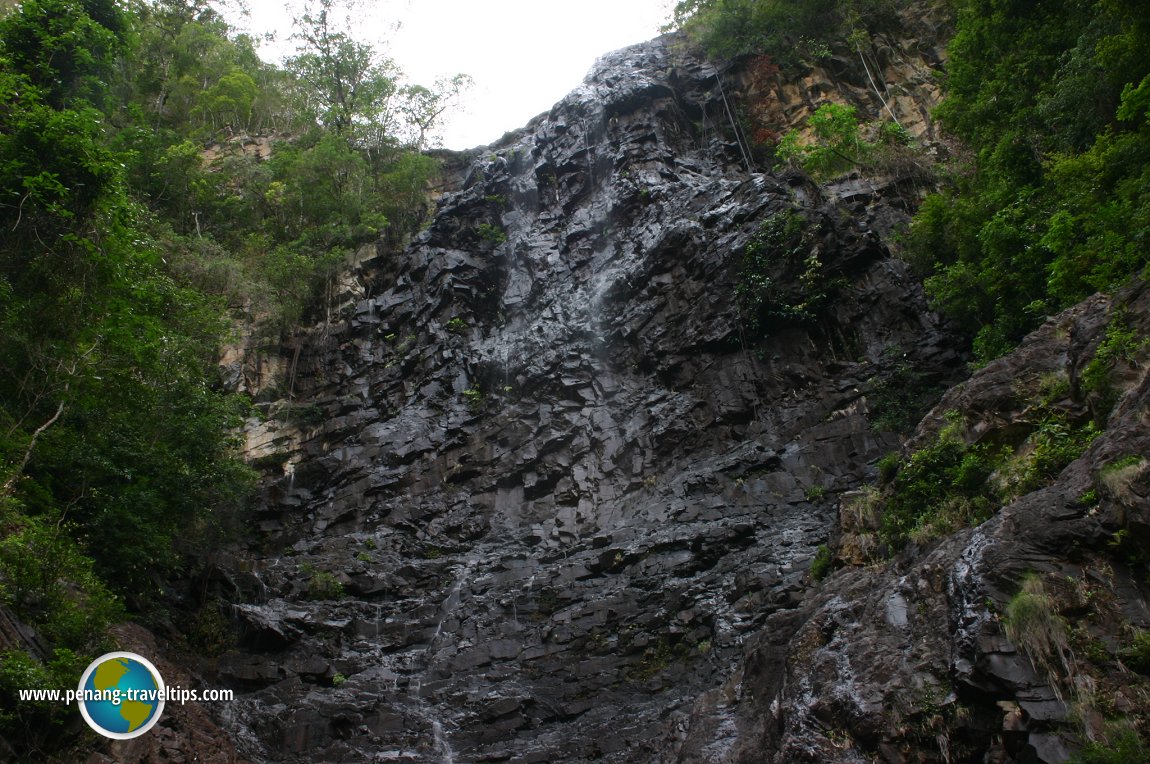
[(539, 484), (933, 657)]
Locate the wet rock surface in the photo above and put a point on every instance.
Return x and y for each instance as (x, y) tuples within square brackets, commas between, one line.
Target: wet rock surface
[(540, 491), (910, 660)]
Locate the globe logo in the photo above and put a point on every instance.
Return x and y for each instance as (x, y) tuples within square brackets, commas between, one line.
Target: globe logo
[(121, 695)]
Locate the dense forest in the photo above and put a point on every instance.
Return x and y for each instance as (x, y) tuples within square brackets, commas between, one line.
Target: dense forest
[(139, 229), (141, 222)]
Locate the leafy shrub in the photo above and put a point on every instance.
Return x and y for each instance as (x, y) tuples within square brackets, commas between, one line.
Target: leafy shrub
[(474, 398), (27, 720), (1034, 626), (1122, 745), (783, 279), (49, 582), (1121, 344), (822, 563), (1050, 448), (888, 467), (838, 146), (815, 493), (491, 233), (939, 488), (321, 584), (1137, 655)]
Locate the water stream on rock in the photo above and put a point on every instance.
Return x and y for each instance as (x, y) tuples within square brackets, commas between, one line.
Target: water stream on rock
[(554, 532)]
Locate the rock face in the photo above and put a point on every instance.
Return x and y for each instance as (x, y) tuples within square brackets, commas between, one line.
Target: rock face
[(540, 484), (554, 477), (911, 662)]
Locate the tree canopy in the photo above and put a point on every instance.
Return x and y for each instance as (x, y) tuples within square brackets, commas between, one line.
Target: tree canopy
[(1054, 203), (135, 225)]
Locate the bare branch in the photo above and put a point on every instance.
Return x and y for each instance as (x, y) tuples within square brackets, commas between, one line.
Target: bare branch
[(10, 483)]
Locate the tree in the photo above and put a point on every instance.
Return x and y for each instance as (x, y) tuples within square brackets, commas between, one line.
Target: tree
[(229, 102), (1055, 205), (349, 83), (63, 47), (110, 431), (424, 107), (787, 30)]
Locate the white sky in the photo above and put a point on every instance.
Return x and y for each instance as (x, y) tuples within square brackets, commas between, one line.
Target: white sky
[(524, 55)]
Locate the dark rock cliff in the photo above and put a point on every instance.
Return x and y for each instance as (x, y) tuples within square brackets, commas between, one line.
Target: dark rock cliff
[(910, 661), (549, 488), (541, 495)]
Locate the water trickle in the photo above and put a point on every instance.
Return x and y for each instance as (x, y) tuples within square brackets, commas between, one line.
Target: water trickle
[(594, 285), (590, 167), (452, 601), (379, 627), (442, 746), (262, 597)]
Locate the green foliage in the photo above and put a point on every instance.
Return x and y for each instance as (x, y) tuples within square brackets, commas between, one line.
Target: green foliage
[(265, 232), (939, 488), (1136, 655), (474, 398), (815, 493), (491, 233), (1055, 205), (116, 458), (823, 563), (1121, 745), (1034, 626), (28, 721), (947, 484), (48, 582), (888, 467), (1054, 443), (788, 30), (53, 170), (422, 107), (782, 280), (228, 103), (63, 48), (321, 584), (1118, 465), (838, 145), (347, 82), (1121, 344)]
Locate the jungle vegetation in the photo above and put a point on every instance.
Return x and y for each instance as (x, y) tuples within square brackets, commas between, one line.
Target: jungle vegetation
[(1048, 200), (138, 226)]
